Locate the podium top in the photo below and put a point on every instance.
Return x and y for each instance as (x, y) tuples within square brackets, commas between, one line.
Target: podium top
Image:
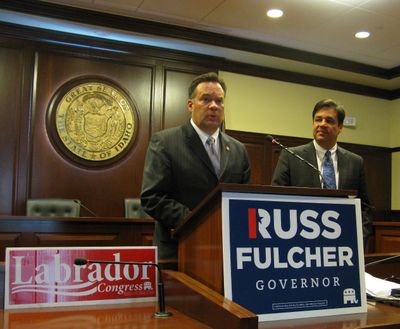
[(258, 189), (292, 190)]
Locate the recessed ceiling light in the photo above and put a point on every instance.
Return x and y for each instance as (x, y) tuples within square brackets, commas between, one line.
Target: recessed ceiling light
[(362, 35), (274, 13)]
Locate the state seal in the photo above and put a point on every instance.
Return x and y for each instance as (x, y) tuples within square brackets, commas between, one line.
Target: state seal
[(95, 120)]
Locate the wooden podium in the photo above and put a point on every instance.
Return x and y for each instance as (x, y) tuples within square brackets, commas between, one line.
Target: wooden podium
[(200, 246)]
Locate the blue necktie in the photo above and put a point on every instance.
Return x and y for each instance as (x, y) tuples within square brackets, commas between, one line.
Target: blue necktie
[(328, 172), (213, 154)]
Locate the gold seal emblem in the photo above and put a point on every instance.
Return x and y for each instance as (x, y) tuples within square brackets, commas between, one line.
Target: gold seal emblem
[(95, 121)]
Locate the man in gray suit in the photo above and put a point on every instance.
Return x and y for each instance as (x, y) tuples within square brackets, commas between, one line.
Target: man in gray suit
[(348, 168), (183, 164)]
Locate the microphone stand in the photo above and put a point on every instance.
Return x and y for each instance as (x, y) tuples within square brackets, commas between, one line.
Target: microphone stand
[(382, 260), (84, 207), (275, 141), (162, 313)]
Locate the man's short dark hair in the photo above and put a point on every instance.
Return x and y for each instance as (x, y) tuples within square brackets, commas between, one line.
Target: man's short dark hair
[(206, 77), (330, 103)]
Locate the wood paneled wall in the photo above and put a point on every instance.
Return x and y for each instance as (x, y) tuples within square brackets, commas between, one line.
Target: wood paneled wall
[(33, 166), (33, 68), (100, 188)]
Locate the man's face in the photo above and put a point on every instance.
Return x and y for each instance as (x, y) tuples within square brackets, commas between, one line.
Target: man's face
[(207, 106), (326, 127)]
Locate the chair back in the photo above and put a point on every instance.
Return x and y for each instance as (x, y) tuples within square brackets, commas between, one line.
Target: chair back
[(133, 209), (53, 207)]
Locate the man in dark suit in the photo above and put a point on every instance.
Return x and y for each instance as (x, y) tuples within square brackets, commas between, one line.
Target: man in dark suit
[(179, 170), (348, 168)]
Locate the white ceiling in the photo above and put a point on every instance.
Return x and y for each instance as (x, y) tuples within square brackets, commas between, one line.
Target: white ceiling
[(325, 27), (321, 26)]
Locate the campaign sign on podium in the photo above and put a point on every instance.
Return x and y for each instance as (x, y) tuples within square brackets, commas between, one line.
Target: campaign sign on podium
[(288, 256)]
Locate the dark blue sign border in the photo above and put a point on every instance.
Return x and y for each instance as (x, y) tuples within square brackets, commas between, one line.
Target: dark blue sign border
[(293, 256)]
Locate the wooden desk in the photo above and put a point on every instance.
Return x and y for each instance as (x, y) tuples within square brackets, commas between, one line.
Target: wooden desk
[(128, 316), (30, 231)]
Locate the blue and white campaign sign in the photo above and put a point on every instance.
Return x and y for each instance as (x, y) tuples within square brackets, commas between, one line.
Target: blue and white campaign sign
[(291, 257)]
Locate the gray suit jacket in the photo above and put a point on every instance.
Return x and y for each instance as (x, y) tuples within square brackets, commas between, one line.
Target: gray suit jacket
[(178, 174), (290, 171)]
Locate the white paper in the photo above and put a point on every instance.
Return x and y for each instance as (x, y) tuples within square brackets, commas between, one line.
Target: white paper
[(376, 287)]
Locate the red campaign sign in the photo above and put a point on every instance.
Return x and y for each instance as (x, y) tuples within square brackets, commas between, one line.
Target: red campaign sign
[(37, 277)]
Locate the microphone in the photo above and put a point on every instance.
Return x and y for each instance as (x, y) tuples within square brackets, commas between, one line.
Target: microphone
[(84, 207), (275, 141), (161, 300)]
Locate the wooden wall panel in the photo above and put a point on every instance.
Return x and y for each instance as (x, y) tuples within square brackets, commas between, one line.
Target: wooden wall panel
[(378, 168), (11, 69), (101, 189), (34, 166), (387, 241), (387, 236), (259, 155), (176, 94)]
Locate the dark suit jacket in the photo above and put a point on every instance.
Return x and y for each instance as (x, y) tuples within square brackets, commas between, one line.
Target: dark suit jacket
[(178, 174), (290, 171)]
